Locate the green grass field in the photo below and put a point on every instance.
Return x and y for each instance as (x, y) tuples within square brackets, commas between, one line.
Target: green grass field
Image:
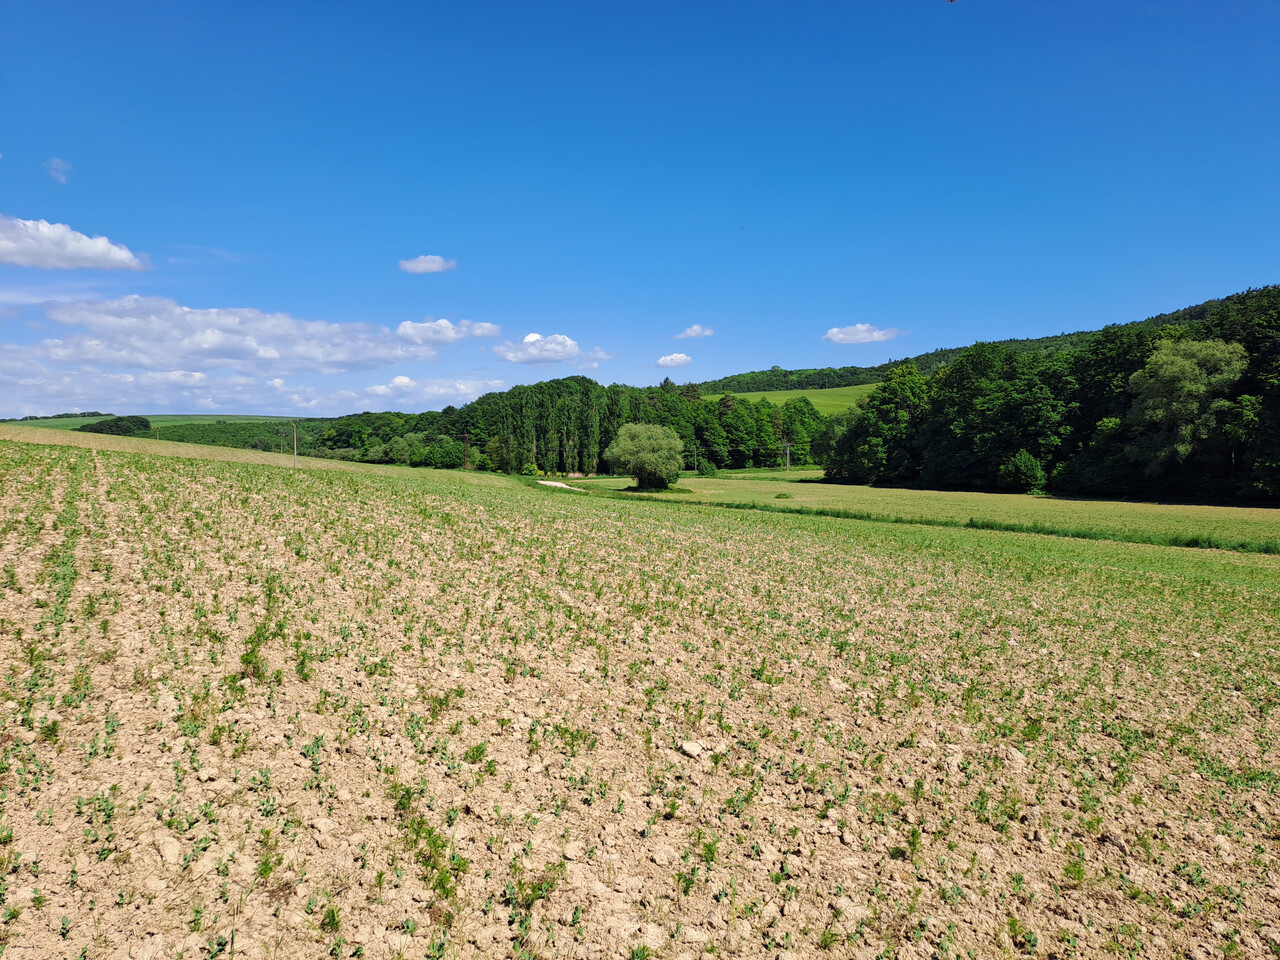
[(1093, 519), (827, 402), (160, 420)]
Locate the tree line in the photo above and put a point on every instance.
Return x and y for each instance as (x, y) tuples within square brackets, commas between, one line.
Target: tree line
[(565, 425), (558, 426)]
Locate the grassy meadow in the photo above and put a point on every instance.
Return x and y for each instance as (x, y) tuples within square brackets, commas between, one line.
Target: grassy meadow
[(1248, 528), (379, 712), (827, 402)]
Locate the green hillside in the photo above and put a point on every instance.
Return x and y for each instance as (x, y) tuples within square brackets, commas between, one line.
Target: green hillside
[(825, 402)]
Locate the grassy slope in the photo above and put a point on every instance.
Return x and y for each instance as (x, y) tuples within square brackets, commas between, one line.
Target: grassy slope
[(483, 690), (826, 401)]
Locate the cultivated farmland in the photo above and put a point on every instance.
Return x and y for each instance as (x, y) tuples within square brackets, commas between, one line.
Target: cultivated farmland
[(382, 712)]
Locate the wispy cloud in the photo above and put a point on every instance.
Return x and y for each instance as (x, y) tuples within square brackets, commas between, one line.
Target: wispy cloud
[(675, 360), (443, 331), (697, 330), (32, 385), (154, 333), (860, 333), (55, 246), (428, 263), (592, 359), (58, 169), (44, 293)]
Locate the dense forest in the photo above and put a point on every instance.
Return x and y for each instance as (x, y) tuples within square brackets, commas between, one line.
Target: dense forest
[(559, 426), (118, 426), (1185, 404), (1186, 407)]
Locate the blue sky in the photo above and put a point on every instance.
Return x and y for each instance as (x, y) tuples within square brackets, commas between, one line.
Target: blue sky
[(911, 175)]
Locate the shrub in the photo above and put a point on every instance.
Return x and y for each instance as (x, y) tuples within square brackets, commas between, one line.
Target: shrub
[(1022, 472), (647, 452), (707, 469), (118, 426)]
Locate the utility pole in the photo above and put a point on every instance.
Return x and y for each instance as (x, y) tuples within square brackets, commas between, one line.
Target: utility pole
[(786, 445), (466, 450), (295, 443)]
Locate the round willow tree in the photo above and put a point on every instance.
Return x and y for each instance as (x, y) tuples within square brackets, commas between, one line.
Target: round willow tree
[(647, 452)]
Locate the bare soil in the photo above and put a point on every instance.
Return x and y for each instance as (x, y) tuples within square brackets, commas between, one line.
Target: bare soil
[(285, 713)]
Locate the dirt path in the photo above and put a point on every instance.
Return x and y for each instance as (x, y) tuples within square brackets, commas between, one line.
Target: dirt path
[(562, 486)]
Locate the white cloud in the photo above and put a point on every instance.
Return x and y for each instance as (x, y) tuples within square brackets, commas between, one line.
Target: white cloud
[(592, 360), (58, 169), (429, 263), (442, 331), (675, 360), (536, 348), (152, 355), (32, 385), (406, 391), (154, 333), (860, 333), (55, 246), (697, 330), (66, 290)]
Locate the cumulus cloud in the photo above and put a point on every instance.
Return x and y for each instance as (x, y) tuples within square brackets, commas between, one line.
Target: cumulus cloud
[(55, 246), (697, 330), (140, 354), (860, 333), (675, 360), (58, 169), (443, 331), (429, 263), (535, 348), (154, 333), (405, 391)]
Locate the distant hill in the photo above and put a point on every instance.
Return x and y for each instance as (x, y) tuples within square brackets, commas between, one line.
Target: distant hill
[(826, 378), (826, 401)]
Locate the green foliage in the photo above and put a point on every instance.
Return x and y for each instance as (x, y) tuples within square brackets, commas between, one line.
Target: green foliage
[(1180, 406), (118, 426), (647, 452), (985, 407), (874, 442), (1022, 472), (1185, 405)]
